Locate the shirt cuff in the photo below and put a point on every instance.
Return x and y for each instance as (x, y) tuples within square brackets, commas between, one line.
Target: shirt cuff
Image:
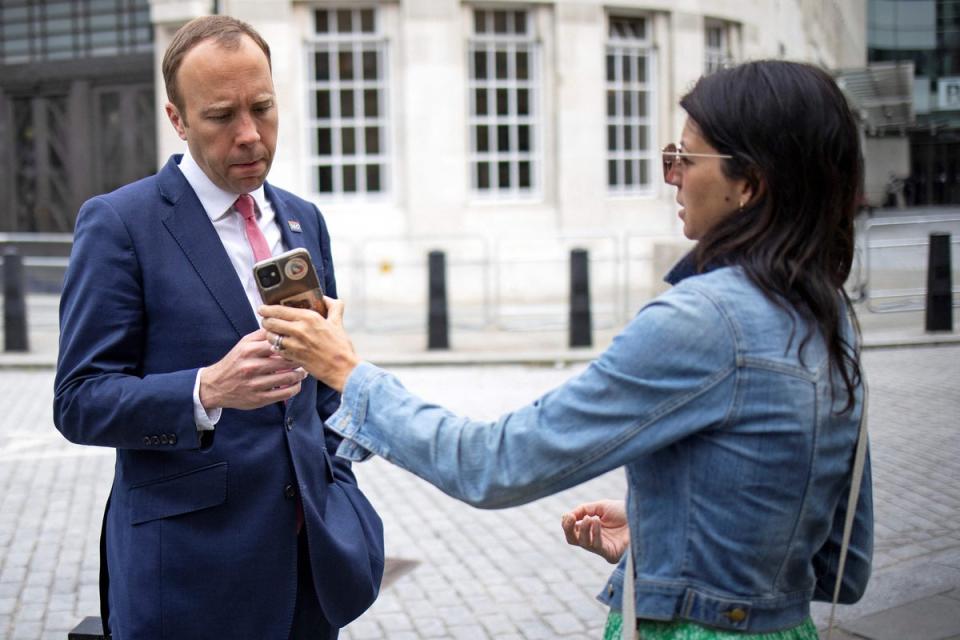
[(348, 420), (206, 420)]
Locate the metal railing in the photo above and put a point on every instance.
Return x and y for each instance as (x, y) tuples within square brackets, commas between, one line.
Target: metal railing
[(890, 266)]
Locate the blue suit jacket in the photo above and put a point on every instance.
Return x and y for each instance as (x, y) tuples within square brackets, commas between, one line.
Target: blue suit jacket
[(200, 537)]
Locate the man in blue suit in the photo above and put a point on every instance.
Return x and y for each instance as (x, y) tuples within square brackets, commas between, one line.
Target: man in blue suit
[(229, 515)]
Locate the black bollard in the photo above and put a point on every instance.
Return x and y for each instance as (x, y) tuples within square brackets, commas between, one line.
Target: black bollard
[(580, 325), (14, 303), (939, 284), (437, 323)]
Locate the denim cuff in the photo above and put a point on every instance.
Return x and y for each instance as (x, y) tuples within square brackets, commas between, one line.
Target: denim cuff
[(348, 420)]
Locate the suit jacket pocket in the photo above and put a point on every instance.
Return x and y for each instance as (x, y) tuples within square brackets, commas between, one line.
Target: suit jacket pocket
[(176, 495)]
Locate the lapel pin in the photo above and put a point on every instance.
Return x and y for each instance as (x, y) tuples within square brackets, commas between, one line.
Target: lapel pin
[(294, 226)]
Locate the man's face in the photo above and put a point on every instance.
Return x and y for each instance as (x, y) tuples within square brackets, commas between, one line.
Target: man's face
[(229, 119)]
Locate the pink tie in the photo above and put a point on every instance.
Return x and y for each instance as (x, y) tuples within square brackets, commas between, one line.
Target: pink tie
[(245, 205), (261, 251)]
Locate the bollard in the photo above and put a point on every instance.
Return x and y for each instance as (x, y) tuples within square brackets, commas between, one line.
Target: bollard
[(580, 325), (437, 323), (14, 303), (939, 284)]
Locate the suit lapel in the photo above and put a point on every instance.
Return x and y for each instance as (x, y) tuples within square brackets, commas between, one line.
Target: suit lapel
[(190, 226), (288, 220)]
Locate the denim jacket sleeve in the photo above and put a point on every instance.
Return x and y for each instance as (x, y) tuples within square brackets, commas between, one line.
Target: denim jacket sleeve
[(859, 554), (671, 372)]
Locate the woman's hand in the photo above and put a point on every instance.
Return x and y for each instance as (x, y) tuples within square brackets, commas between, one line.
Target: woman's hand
[(600, 527), (319, 345)]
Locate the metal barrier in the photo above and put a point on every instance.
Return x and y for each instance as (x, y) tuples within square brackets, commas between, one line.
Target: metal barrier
[(894, 257)]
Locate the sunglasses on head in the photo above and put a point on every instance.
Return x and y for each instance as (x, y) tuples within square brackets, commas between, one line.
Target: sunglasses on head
[(672, 155)]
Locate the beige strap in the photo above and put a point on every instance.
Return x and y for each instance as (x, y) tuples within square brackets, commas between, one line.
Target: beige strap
[(629, 606), (859, 460)]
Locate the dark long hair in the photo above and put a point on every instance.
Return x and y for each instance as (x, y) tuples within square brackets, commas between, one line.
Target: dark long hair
[(795, 140)]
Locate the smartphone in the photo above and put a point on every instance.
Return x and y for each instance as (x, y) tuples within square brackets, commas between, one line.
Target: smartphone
[(290, 279)]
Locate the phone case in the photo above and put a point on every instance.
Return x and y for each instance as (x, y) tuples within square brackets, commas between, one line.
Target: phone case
[(290, 279)]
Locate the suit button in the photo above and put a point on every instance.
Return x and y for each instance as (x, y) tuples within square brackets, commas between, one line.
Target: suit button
[(172, 439), (289, 491), (146, 440), (289, 423), (155, 440), (163, 438)]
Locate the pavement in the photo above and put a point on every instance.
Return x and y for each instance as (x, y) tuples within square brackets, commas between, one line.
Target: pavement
[(466, 573)]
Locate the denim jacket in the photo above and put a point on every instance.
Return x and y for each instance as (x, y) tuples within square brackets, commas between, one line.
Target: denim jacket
[(738, 461)]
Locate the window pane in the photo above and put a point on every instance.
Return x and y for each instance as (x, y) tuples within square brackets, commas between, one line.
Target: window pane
[(523, 72), (503, 138), (628, 138), (499, 21), (611, 68), (642, 142), (611, 138), (501, 62), (480, 102), (641, 97), (324, 142), (346, 65), (323, 104), (611, 103), (325, 179), (523, 138), (503, 174), (627, 104), (481, 133), (369, 65), (611, 173), (483, 175), (348, 137), (503, 103), (520, 22), (627, 73), (480, 65), (479, 21), (349, 178), (321, 63), (373, 177), (524, 177), (628, 172), (523, 102), (641, 69), (367, 24), (346, 103), (371, 103), (372, 140), (344, 22), (644, 166)]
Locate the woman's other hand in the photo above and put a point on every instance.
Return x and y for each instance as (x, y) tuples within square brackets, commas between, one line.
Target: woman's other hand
[(319, 345), (600, 527)]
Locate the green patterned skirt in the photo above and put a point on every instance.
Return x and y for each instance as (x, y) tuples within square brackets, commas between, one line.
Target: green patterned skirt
[(684, 630)]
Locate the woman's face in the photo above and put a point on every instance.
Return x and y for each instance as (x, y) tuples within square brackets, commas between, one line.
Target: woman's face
[(705, 194)]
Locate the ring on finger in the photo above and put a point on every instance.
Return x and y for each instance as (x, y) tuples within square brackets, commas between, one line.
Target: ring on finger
[(278, 342)]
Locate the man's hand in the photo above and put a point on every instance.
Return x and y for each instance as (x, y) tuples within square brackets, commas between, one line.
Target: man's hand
[(250, 376), (319, 345), (599, 527)]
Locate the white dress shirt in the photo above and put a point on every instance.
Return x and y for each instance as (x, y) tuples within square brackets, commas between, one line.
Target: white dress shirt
[(228, 222)]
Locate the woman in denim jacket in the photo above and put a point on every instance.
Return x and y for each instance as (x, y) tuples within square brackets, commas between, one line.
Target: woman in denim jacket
[(733, 400)]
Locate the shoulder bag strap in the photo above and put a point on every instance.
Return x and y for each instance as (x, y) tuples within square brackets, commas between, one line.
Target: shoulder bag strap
[(859, 459)]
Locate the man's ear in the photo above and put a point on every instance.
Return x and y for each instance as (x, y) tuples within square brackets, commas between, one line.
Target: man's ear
[(178, 121)]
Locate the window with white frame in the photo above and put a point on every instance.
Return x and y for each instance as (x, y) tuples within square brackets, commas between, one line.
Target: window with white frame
[(716, 51), (503, 86), (630, 85), (347, 90)]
